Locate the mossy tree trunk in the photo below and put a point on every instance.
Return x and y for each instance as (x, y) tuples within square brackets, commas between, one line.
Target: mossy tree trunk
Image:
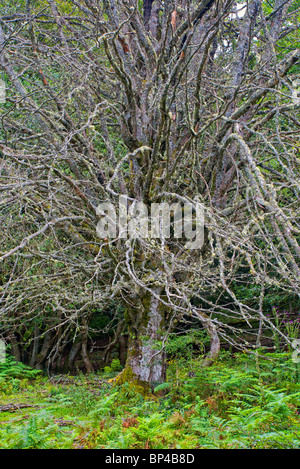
[(146, 359)]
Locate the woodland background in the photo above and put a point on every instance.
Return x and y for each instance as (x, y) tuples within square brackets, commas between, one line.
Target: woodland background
[(142, 343)]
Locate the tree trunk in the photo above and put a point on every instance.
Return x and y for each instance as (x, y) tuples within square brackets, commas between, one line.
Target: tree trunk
[(213, 335), (15, 350), (84, 348), (36, 344), (146, 359), (70, 361), (147, 10), (41, 357), (113, 343), (122, 349), (214, 345)]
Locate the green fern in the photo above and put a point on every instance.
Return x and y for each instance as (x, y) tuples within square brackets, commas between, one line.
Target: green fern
[(13, 369), (162, 387)]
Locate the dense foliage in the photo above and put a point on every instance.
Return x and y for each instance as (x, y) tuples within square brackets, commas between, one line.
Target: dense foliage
[(146, 338), (156, 102), (241, 402)]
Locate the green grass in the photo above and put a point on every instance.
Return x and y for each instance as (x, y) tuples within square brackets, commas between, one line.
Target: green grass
[(242, 401)]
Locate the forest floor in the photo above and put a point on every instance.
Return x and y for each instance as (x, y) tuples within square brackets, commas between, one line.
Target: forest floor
[(242, 401)]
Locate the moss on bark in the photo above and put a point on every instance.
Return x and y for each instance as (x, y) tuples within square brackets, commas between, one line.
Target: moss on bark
[(127, 376)]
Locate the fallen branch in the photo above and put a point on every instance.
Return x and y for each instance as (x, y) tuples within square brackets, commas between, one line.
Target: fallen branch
[(15, 407)]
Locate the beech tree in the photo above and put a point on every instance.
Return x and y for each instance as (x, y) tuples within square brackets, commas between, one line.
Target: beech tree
[(156, 102)]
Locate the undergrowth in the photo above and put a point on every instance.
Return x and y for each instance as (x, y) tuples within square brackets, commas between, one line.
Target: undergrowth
[(242, 401)]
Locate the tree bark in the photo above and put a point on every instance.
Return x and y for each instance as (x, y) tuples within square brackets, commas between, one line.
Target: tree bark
[(75, 349), (41, 357), (36, 344), (147, 10), (146, 361), (214, 345), (84, 348), (122, 349), (213, 335), (15, 350)]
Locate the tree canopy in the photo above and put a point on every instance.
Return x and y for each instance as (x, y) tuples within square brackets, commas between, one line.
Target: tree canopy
[(156, 102)]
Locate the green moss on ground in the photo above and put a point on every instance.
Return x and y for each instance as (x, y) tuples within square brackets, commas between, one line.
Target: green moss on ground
[(238, 402)]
